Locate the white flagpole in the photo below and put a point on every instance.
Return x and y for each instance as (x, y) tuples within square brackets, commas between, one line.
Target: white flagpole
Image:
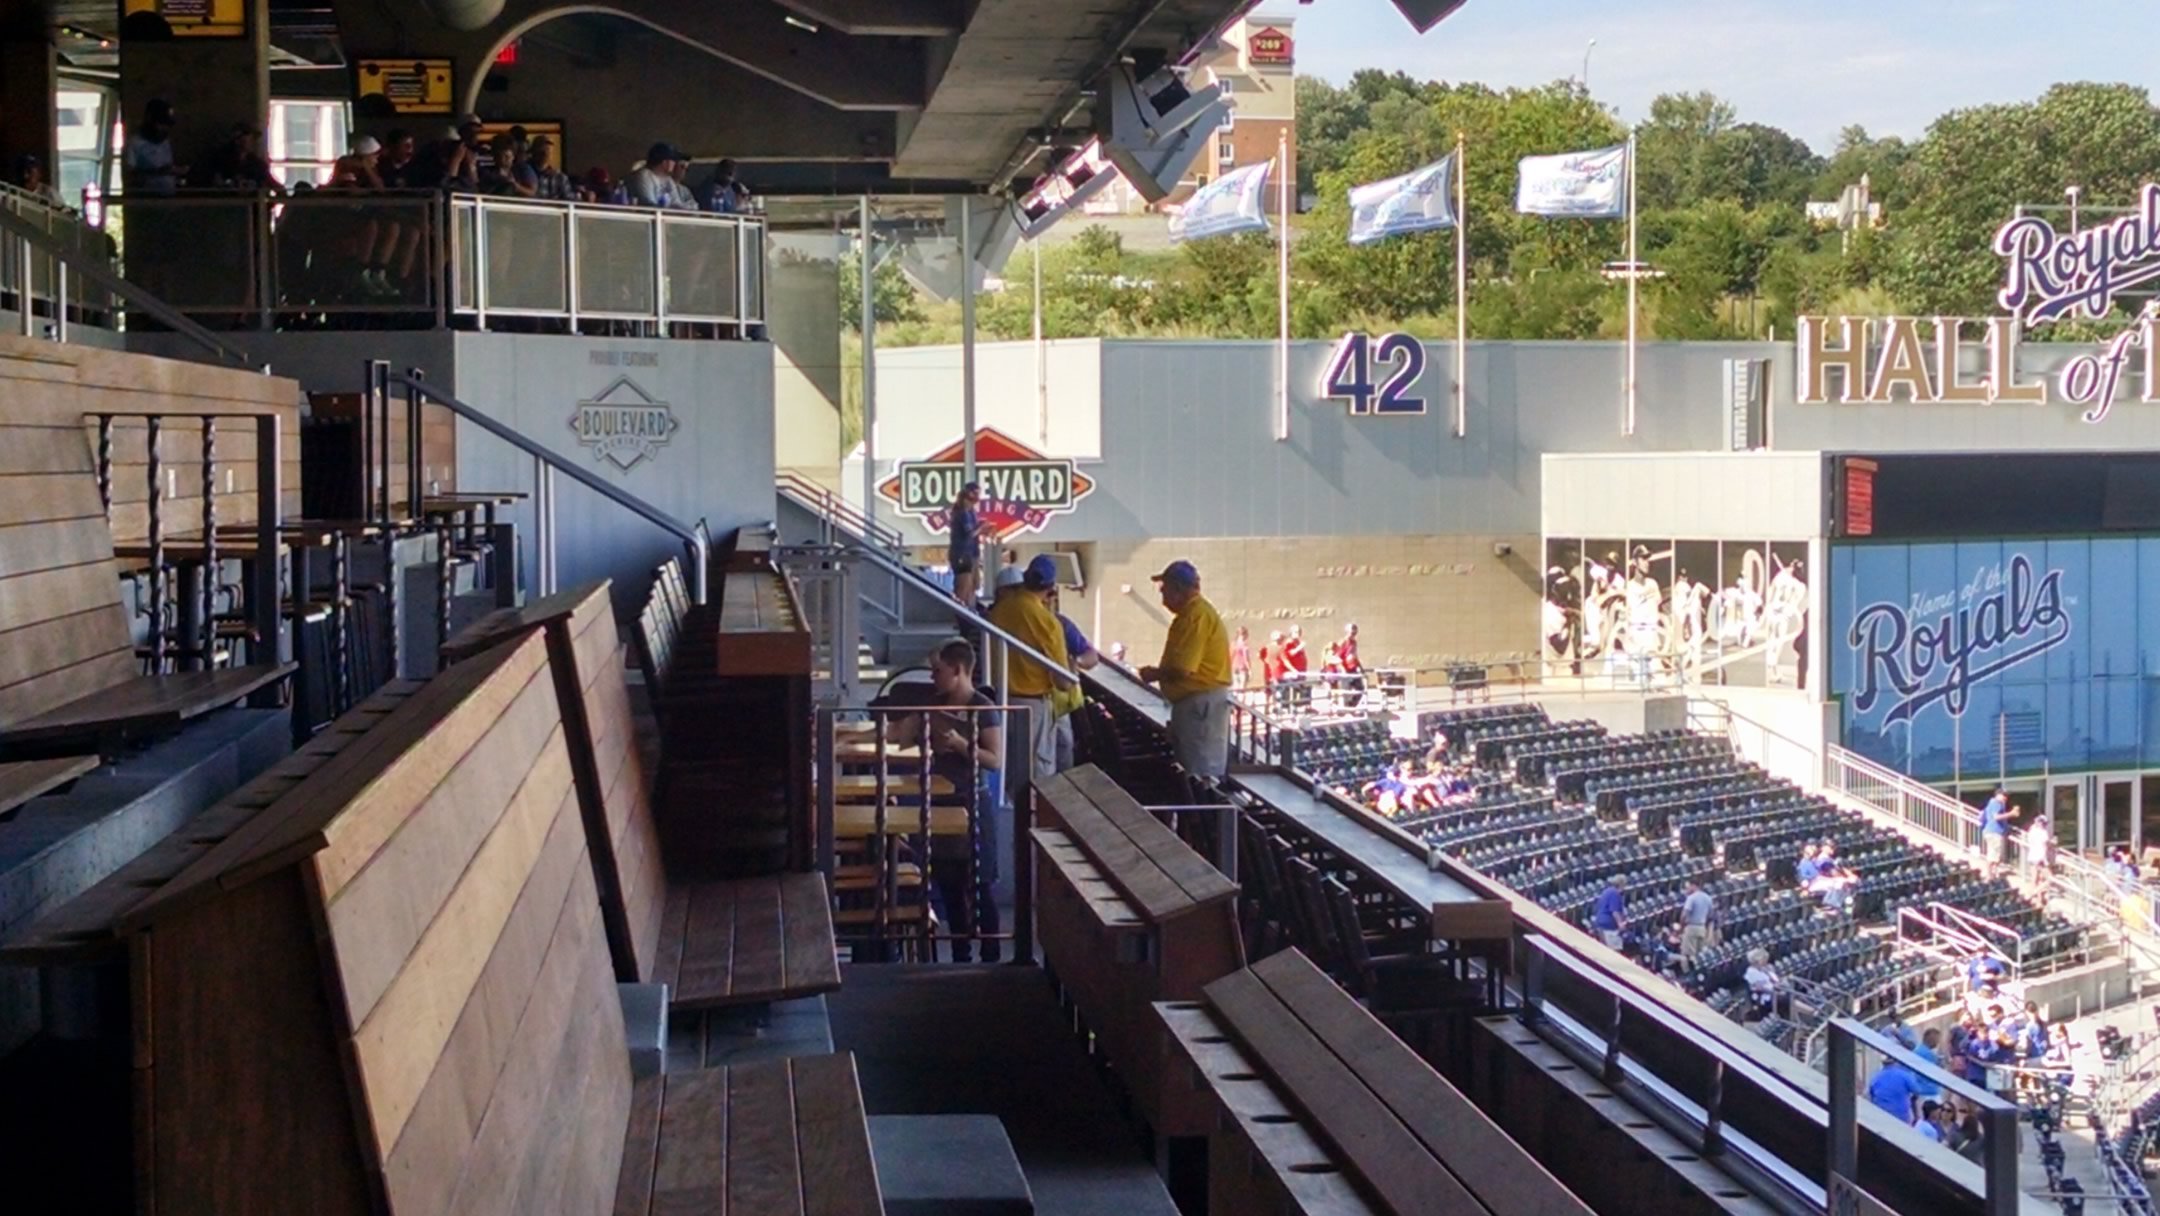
[(1627, 421), (1282, 285), (1462, 300), (1042, 372)]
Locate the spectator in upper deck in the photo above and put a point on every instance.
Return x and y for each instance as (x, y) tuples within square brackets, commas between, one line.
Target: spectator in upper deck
[(552, 182), (237, 165), (652, 183), (147, 166), (509, 175), (31, 180)]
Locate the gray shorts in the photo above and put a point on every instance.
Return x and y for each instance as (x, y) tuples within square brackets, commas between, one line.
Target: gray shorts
[(1200, 732)]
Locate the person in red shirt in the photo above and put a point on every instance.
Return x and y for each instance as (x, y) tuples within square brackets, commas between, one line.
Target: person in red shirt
[(1271, 664), (1352, 685), (1295, 665)]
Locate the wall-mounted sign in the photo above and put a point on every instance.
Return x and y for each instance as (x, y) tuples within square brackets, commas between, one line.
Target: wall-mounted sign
[(1858, 513), (1022, 488), (2047, 276), (407, 86), (1269, 45), (1935, 645), (623, 424), (189, 18), (1349, 374)]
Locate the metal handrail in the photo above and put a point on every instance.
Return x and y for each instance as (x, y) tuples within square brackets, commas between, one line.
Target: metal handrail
[(694, 537), (834, 509), (921, 582), (104, 277)]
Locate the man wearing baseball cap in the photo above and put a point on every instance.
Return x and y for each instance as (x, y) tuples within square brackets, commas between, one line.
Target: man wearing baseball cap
[(1194, 673), (1024, 612)]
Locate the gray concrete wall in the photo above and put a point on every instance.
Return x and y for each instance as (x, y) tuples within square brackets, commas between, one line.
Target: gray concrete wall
[(717, 465)]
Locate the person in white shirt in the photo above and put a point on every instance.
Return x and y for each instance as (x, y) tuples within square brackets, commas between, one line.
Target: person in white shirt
[(147, 165), (652, 184)]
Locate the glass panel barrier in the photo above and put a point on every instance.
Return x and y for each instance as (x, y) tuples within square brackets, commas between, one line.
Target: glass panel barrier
[(702, 279), (167, 243), (527, 254), (615, 263), (337, 251)]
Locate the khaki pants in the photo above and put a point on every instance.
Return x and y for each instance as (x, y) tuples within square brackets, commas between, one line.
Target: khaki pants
[(1200, 732), (1694, 939), (1042, 736)]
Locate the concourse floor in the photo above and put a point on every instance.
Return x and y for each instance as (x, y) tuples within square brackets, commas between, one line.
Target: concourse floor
[(988, 1039)]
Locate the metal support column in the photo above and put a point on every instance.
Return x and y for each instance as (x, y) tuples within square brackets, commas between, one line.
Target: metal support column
[(263, 599), (869, 367)]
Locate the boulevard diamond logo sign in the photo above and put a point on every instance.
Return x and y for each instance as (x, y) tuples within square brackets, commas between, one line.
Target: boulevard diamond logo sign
[(1022, 488), (623, 424)]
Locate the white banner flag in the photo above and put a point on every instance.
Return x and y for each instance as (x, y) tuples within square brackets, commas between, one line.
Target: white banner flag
[(1581, 185), (1233, 203), (1417, 201)]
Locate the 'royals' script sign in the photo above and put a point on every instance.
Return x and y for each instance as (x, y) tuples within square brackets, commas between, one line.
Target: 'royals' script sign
[(1935, 648)]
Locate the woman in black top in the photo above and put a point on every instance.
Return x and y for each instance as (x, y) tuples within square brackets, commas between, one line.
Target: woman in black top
[(965, 748)]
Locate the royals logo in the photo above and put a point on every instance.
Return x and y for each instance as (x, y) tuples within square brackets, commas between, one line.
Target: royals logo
[(1937, 648), (1022, 488), (2053, 274)]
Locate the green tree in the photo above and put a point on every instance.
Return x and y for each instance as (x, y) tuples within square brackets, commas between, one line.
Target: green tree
[(892, 297), (1978, 166)]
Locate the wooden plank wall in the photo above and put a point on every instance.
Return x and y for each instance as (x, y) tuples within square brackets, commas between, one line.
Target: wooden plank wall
[(438, 439), (47, 385)]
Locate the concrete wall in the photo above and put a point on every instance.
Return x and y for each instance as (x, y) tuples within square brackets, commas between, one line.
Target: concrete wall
[(1745, 496), (718, 464)]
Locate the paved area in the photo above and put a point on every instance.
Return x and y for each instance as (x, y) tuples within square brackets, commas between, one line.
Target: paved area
[(988, 1039)]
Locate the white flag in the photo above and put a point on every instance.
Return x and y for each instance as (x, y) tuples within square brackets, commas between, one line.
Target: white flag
[(1418, 201), (1582, 185), (1233, 203)]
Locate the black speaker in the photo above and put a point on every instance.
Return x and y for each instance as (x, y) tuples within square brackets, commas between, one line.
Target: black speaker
[(1425, 14)]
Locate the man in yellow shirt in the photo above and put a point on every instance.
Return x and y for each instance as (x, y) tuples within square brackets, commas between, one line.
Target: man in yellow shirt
[(1194, 674), (1024, 612)]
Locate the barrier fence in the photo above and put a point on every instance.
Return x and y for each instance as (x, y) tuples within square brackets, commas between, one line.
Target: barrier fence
[(35, 282), (419, 257)]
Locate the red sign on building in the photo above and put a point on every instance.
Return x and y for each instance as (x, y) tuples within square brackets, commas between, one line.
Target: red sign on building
[(1859, 496), (1268, 45)]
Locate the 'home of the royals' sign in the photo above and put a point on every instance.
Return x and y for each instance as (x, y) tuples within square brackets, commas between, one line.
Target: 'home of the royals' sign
[(1934, 648), (2047, 276)]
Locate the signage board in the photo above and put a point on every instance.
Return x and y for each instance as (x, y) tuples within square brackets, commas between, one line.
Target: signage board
[(408, 86), (623, 424), (1270, 46), (1858, 515), (1349, 374), (2048, 276), (189, 18), (1021, 488)]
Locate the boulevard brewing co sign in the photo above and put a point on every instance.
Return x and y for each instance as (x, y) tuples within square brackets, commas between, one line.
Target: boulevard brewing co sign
[(623, 424), (1022, 488), (2047, 276), (1935, 648)]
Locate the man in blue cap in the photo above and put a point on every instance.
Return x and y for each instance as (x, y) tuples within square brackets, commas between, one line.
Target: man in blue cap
[(1194, 674)]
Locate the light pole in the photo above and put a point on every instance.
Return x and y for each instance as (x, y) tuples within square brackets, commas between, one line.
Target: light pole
[(2072, 192), (1586, 64)]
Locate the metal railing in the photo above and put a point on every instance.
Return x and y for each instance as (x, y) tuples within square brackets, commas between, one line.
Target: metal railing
[(837, 517), (310, 257), (33, 243), (34, 273), (1998, 1119), (696, 538)]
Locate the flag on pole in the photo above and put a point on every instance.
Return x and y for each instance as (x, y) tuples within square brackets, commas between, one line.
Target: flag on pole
[(1233, 203), (1417, 201), (1577, 185)]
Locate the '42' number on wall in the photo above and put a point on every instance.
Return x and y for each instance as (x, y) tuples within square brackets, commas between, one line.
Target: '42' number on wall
[(1350, 373)]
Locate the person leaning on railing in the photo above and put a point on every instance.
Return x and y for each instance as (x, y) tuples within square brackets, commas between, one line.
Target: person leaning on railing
[(1194, 673), (1023, 612)]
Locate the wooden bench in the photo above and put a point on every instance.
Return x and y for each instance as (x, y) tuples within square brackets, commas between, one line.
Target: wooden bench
[(713, 943), (393, 993), (85, 928), (68, 674), (1319, 1109), (1128, 914), (27, 779)]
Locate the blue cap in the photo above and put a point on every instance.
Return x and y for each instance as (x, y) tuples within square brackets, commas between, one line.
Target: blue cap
[(1042, 570), (1179, 573)]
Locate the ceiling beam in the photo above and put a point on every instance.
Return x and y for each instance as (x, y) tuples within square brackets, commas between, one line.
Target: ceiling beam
[(885, 18), (841, 70)]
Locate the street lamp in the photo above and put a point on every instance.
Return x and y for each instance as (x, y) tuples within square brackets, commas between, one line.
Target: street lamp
[(1586, 64)]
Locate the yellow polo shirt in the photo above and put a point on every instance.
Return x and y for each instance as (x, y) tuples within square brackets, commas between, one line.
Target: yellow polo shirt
[(1023, 614), (1199, 646)]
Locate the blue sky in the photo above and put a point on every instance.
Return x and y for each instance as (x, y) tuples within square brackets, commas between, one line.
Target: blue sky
[(1808, 66)]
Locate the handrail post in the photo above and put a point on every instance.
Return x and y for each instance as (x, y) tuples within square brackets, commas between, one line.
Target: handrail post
[(413, 490), (269, 513), (208, 637), (366, 444)]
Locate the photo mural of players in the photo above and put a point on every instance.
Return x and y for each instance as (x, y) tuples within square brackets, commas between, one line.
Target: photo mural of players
[(1730, 612)]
